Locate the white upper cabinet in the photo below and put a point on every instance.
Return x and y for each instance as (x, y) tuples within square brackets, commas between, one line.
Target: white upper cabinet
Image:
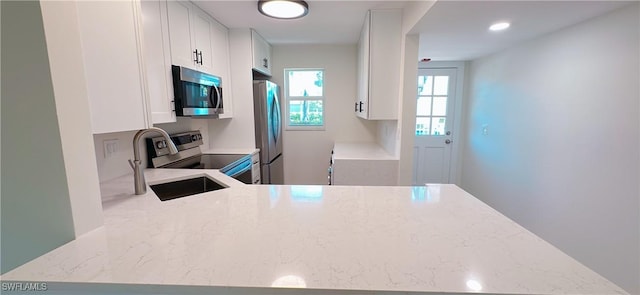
[(113, 64), (379, 65), (157, 58), (202, 26), (221, 64), (190, 36), (261, 51), (180, 33)]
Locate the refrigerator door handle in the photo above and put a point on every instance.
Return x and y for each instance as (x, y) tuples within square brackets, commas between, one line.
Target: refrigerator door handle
[(273, 124), (276, 115)]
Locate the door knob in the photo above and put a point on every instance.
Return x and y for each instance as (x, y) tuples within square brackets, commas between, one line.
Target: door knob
[(447, 141)]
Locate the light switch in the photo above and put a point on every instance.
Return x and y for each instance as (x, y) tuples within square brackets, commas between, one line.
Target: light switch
[(485, 129), (110, 148)]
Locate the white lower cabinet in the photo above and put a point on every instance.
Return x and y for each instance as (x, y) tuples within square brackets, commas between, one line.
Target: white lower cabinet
[(113, 64), (363, 164), (255, 168)]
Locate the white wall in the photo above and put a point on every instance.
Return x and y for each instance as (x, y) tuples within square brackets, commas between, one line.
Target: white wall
[(118, 165), (36, 209), (307, 153), (386, 136), (412, 14), (562, 154)]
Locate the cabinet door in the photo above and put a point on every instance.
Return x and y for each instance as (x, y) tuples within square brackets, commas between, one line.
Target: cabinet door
[(113, 67), (221, 67), (202, 39), (362, 103), (261, 54), (157, 56), (385, 36), (379, 65), (180, 34)]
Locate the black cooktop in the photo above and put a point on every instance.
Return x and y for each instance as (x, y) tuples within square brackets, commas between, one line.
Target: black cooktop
[(206, 161)]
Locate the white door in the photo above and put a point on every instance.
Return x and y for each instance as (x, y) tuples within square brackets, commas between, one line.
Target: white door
[(434, 126)]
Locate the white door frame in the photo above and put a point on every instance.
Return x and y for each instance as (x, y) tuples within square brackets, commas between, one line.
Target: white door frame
[(455, 173)]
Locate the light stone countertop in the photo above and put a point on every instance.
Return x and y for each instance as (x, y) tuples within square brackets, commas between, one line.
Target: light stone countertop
[(318, 239), (360, 151)]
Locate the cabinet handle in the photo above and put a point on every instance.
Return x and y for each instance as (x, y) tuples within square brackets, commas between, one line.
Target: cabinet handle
[(265, 63), (200, 55), (361, 106), (195, 53), (356, 107)]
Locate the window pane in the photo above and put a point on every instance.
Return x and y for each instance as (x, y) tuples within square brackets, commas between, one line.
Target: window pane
[(424, 106), (306, 113), (439, 106), (422, 126), (305, 83), (441, 85), (425, 85), (438, 124)]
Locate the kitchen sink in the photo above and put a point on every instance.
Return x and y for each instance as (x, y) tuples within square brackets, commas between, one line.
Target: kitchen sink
[(187, 187)]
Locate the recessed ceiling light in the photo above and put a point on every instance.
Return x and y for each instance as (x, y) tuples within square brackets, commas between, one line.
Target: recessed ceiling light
[(283, 9), (499, 26)]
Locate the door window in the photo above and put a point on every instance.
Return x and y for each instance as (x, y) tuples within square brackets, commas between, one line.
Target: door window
[(433, 96)]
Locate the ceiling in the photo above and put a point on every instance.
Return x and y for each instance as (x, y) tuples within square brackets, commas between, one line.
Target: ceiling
[(451, 29), (328, 22), (458, 30)]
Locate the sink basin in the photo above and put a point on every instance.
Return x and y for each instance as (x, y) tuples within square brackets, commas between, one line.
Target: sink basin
[(187, 187)]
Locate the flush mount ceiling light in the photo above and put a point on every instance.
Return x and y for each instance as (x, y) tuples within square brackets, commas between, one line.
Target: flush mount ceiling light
[(499, 26), (283, 9)]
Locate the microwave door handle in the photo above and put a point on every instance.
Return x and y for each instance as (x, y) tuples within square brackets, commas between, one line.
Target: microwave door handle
[(217, 92), (210, 97), (219, 98)]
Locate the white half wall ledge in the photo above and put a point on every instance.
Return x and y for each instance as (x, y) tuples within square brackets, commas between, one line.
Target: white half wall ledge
[(67, 74)]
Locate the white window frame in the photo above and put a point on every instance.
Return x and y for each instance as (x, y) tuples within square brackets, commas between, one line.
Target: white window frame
[(288, 98)]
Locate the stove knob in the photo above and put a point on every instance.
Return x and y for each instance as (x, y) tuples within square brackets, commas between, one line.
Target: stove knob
[(161, 144), (194, 137)]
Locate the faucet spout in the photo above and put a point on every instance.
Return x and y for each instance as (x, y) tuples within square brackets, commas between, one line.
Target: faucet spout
[(138, 171)]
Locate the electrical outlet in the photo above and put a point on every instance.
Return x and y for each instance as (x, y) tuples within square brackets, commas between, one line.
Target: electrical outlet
[(110, 148), (485, 129)]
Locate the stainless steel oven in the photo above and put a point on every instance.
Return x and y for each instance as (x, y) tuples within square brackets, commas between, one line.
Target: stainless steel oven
[(238, 166)]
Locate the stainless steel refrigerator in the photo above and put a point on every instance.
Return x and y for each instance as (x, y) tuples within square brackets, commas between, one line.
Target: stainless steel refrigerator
[(268, 124)]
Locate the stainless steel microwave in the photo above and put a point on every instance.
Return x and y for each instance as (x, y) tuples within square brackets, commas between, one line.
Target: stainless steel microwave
[(196, 94)]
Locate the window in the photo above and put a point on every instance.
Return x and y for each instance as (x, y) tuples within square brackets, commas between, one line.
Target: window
[(304, 94), (431, 113)]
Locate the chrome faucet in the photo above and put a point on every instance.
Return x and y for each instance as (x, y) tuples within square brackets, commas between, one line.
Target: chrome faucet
[(138, 171)]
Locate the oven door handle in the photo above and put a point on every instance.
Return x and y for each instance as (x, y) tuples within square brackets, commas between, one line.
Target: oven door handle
[(239, 169)]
